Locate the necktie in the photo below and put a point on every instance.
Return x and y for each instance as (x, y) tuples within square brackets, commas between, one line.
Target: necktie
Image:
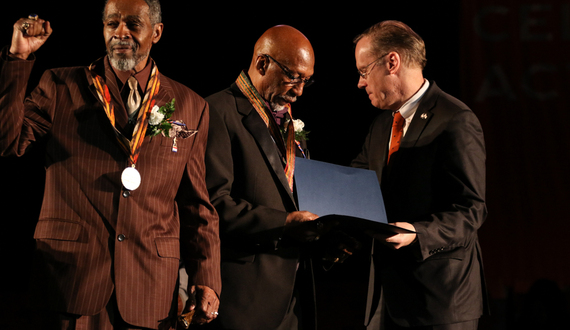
[(134, 100), (397, 132)]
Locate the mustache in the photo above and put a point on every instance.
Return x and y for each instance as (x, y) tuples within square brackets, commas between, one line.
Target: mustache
[(123, 43), (289, 98)]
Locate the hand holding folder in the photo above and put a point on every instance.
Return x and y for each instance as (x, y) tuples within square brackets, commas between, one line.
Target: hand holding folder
[(351, 197)]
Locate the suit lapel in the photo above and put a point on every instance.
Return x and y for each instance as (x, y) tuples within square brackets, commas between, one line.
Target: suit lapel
[(422, 117), (255, 125), (384, 138), (121, 117), (165, 93), (104, 70)]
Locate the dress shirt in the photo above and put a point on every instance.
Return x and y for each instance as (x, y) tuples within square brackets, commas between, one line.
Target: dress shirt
[(408, 109)]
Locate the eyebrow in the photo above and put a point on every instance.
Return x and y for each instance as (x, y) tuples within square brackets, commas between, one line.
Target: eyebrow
[(136, 18)]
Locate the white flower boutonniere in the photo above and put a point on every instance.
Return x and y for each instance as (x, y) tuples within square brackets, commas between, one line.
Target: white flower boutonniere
[(300, 133), (159, 119)]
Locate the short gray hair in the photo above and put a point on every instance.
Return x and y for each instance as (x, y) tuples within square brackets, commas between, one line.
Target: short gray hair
[(154, 11)]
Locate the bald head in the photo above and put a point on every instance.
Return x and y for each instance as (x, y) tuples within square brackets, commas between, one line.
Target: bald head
[(286, 43), (280, 53)]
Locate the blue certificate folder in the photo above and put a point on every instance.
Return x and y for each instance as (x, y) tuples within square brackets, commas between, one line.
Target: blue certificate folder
[(347, 195)]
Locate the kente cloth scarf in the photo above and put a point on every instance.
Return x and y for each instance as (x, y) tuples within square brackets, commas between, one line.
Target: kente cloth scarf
[(132, 146), (285, 145)]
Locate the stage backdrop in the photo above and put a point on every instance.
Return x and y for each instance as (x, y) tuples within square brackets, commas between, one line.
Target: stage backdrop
[(515, 65)]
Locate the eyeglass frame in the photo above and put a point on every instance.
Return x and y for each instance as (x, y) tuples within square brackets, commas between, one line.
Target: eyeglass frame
[(293, 80), (365, 74)]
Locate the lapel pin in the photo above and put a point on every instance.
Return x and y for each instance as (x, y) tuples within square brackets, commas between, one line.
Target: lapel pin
[(424, 115)]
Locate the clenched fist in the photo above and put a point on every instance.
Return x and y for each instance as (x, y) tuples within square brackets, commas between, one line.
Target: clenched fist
[(29, 35)]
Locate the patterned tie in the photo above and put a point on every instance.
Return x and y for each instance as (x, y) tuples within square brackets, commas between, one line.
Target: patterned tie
[(134, 100), (397, 132)]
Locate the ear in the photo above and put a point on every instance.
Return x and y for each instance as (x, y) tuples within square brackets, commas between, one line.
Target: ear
[(393, 62), (157, 32), (261, 63)]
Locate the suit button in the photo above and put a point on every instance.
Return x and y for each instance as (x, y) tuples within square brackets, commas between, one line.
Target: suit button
[(121, 237), (126, 193)]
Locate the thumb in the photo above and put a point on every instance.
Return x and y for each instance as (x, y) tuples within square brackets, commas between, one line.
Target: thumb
[(191, 303)]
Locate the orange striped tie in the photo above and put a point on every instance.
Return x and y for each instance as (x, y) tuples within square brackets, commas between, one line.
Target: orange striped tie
[(397, 132)]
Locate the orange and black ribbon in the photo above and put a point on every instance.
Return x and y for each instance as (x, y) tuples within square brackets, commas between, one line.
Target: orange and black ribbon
[(286, 145), (131, 147)]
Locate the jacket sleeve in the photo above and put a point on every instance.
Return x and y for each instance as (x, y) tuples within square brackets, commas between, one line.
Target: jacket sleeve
[(462, 194), (244, 220), (22, 121), (199, 223)]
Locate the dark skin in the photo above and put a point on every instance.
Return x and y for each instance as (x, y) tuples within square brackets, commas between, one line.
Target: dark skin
[(27, 41), (292, 49), (289, 47), (130, 21), (124, 20)]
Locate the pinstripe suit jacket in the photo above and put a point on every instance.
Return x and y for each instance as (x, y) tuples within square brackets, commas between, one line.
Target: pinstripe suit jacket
[(92, 238)]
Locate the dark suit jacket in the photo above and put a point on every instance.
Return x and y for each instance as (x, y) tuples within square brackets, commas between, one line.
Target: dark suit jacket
[(436, 181), (248, 187), (92, 239)]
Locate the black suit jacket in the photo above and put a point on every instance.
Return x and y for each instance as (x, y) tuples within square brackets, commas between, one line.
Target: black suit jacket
[(248, 187), (436, 181)]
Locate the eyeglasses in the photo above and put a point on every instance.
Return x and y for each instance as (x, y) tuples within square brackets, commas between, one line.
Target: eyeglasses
[(365, 72), (292, 79)]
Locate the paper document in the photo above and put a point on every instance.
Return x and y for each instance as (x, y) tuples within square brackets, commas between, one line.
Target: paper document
[(349, 195)]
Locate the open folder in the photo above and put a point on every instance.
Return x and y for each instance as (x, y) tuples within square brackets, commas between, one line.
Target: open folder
[(350, 197)]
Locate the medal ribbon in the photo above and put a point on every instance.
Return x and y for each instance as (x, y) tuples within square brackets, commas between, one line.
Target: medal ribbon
[(131, 147), (286, 146)]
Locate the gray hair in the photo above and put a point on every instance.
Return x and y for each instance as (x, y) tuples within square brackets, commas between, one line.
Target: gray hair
[(396, 36), (154, 11)]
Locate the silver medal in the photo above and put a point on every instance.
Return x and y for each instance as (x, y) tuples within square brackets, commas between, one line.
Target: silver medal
[(131, 178)]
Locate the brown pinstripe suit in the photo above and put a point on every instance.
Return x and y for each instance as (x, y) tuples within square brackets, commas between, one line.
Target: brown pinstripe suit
[(80, 258)]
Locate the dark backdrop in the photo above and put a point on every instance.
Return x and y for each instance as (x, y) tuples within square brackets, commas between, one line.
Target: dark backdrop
[(503, 58)]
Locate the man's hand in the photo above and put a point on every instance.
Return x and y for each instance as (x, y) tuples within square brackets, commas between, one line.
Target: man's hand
[(336, 246), (205, 303), (28, 36), (397, 241), (301, 226)]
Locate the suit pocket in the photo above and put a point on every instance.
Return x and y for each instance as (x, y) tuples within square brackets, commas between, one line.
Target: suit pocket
[(57, 229), (180, 143), (168, 247), (457, 253)]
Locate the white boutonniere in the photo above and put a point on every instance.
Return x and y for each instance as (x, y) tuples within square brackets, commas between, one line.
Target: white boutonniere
[(299, 126), (159, 119)]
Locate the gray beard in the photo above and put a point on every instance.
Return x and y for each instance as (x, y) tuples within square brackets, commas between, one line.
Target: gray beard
[(277, 107), (123, 64)]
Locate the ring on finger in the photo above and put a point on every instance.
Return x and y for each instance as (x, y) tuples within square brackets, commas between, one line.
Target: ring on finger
[(33, 16), (25, 26)]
